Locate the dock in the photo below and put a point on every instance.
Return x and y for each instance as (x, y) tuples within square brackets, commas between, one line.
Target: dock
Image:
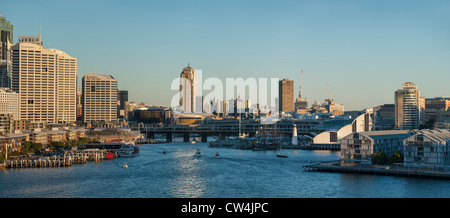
[(433, 172)]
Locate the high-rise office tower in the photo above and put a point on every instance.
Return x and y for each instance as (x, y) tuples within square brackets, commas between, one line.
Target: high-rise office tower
[(122, 97), (407, 107), (286, 95), (45, 80), (6, 41), (188, 89), (99, 98)]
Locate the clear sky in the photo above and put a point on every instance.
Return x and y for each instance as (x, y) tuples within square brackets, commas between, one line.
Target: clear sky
[(364, 50)]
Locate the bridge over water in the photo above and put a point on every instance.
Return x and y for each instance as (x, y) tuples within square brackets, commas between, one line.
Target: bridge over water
[(222, 129)]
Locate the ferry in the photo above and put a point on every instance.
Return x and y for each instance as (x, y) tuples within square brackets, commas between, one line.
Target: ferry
[(128, 150), (122, 149)]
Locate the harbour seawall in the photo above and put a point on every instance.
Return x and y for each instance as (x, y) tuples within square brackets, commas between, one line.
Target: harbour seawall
[(403, 171)]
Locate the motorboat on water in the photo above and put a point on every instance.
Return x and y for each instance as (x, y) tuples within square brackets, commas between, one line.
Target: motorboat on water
[(198, 153), (216, 154), (125, 165)]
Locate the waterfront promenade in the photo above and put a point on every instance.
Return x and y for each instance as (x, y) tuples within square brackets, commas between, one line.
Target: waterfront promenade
[(433, 172)]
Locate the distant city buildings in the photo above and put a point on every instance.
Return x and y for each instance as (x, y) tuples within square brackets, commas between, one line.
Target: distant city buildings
[(333, 108), (99, 98), (408, 107)]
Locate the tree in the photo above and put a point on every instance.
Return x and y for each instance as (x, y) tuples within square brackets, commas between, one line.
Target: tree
[(58, 145), (379, 158), (396, 157)]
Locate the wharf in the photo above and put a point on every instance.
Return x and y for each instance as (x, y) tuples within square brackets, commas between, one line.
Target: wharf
[(396, 170), (68, 159), (44, 162)]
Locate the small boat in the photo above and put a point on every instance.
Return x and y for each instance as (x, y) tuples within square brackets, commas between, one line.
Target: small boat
[(198, 152), (164, 152), (216, 154), (281, 155), (125, 165)]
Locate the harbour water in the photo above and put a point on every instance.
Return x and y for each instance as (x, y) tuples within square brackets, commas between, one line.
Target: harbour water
[(179, 173)]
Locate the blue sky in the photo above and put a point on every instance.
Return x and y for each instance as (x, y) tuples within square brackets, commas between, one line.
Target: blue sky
[(364, 50)]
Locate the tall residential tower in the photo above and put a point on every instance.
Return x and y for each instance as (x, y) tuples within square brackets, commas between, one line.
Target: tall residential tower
[(408, 107), (188, 89)]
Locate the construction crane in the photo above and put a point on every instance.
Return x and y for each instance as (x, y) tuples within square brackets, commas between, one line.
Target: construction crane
[(331, 93), (300, 90)]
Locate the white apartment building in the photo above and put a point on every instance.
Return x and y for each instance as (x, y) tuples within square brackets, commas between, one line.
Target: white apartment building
[(99, 98), (45, 80), (9, 102)]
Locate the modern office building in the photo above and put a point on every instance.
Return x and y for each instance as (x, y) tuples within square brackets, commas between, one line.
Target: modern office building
[(188, 90), (45, 80), (9, 102), (408, 107), (286, 95), (6, 41), (384, 117), (99, 98)]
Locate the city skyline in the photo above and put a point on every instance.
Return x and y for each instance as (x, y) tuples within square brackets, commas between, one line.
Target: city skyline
[(363, 50)]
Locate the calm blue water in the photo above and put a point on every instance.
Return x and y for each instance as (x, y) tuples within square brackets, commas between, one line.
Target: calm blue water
[(234, 174)]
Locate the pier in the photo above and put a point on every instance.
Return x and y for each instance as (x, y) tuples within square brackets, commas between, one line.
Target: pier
[(433, 172)]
